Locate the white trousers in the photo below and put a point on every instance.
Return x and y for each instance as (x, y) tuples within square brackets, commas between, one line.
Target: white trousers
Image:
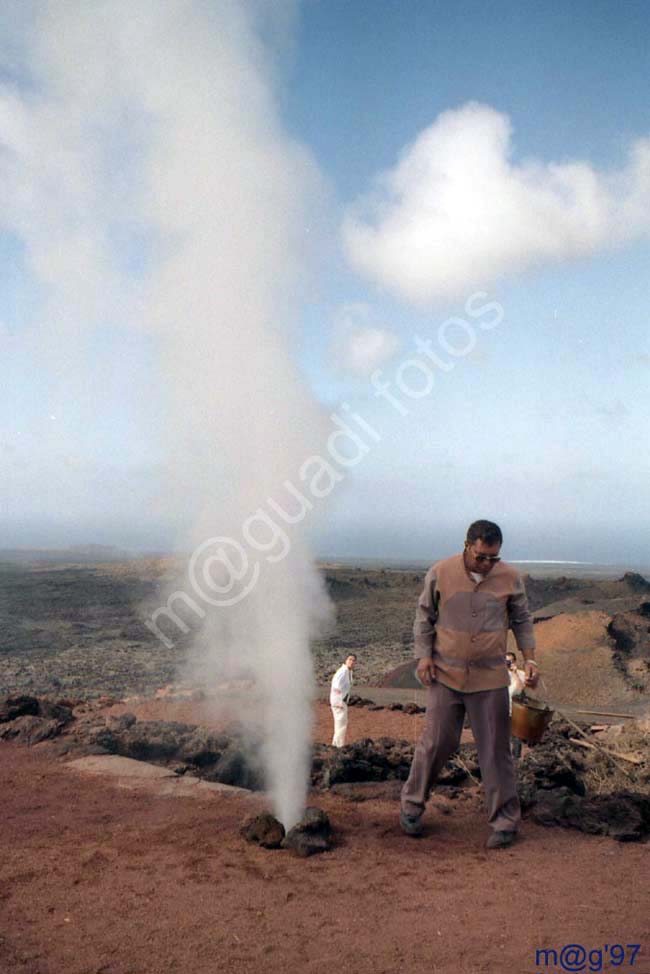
[(340, 714)]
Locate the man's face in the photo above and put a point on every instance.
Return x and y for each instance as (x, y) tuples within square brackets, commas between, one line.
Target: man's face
[(481, 557), (350, 662)]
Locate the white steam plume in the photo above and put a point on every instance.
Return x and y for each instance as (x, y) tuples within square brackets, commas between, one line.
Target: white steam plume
[(457, 212), (158, 120), (360, 344)]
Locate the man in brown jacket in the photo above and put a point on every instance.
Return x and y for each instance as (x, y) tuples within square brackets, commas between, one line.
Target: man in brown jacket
[(468, 604)]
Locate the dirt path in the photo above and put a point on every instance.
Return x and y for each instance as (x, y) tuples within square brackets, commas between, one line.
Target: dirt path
[(94, 879)]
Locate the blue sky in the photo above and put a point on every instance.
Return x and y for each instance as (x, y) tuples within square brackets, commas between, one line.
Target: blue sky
[(542, 426), (368, 76), (565, 384)]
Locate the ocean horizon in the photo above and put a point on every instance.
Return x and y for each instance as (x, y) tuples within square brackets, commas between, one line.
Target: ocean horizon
[(545, 567)]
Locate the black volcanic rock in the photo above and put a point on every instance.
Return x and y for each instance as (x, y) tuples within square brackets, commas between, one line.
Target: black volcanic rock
[(239, 767), (263, 830), (153, 740), (381, 759), (17, 705), (623, 632), (553, 764), (203, 748), (624, 816), (367, 760), (310, 835), (636, 582), (413, 708), (30, 729), (59, 711), (28, 720), (356, 701), (627, 815), (631, 634), (121, 723)]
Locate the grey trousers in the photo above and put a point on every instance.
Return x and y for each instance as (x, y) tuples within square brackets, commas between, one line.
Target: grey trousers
[(490, 721)]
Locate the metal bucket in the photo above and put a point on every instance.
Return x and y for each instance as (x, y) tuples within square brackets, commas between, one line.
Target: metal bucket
[(530, 720)]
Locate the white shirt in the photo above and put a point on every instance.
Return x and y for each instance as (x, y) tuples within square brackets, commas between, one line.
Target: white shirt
[(514, 688), (341, 685)]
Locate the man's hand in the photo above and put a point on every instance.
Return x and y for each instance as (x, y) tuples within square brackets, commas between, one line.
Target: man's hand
[(532, 673), (424, 671)]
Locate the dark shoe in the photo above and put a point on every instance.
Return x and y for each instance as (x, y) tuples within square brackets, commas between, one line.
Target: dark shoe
[(501, 840), (411, 824)]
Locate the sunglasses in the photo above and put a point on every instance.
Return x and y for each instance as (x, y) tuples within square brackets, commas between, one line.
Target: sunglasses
[(492, 559)]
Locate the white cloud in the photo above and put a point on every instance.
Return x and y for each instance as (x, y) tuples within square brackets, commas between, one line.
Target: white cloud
[(457, 212), (360, 345)]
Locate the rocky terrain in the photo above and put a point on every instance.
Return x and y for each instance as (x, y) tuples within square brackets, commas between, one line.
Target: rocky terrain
[(136, 836), (597, 784), (79, 629)]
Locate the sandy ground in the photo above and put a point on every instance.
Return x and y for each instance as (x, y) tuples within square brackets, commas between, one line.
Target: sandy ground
[(97, 879), (575, 655)]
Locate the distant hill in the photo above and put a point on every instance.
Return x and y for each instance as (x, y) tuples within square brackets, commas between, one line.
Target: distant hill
[(551, 597), (76, 554)]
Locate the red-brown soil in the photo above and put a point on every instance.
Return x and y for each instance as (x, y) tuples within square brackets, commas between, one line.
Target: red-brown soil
[(575, 655), (362, 723), (94, 878)]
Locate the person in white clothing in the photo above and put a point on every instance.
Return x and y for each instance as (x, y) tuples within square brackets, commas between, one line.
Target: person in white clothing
[(517, 683), (339, 693), (516, 676)]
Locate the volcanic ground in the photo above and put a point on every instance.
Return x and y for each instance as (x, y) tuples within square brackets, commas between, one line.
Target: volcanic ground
[(124, 867)]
